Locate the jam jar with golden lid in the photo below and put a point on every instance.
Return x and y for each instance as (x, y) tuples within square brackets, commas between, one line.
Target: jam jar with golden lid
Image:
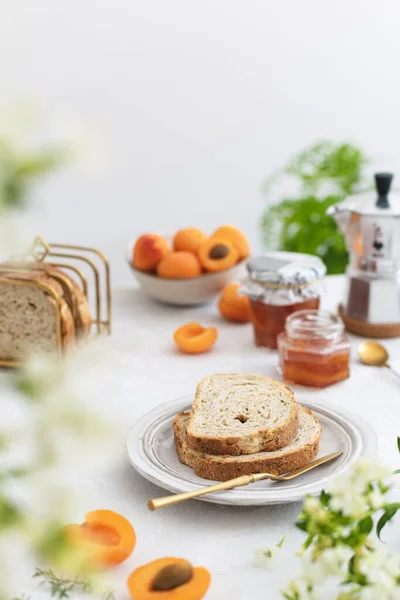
[(278, 284)]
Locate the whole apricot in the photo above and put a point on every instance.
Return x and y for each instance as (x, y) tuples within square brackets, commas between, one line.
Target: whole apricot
[(193, 338), (179, 265), (234, 307), (236, 237), (148, 251), (189, 239)]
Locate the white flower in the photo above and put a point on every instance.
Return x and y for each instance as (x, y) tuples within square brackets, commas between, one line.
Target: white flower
[(352, 493), (265, 557), (313, 507), (16, 563), (40, 496), (329, 563), (382, 570), (302, 589), (19, 446)]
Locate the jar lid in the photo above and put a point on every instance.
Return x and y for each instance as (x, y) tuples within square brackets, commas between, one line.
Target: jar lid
[(286, 268)]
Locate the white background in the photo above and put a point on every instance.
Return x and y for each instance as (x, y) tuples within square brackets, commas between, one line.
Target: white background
[(198, 101)]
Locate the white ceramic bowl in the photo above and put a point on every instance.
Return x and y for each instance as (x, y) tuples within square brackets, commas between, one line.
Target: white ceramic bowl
[(186, 292)]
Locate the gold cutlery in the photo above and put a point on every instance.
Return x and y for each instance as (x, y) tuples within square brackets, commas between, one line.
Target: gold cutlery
[(238, 482), (373, 354)]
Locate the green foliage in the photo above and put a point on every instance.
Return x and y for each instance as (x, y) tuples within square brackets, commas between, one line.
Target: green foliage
[(19, 172), (324, 174), (63, 587), (388, 513)]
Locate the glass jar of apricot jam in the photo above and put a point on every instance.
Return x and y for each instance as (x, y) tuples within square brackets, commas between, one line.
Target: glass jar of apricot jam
[(314, 349), (279, 284)]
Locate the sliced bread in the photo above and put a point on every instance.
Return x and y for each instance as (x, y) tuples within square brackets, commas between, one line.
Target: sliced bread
[(72, 293), (235, 414), (301, 450), (28, 316), (74, 297)]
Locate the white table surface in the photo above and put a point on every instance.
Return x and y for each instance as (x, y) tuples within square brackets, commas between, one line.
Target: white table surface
[(151, 371)]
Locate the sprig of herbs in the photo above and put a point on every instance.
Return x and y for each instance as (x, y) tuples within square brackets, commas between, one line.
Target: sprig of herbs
[(325, 174), (61, 587)]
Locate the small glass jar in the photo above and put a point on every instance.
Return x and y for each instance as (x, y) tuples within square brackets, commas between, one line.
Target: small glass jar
[(314, 349), (279, 284)]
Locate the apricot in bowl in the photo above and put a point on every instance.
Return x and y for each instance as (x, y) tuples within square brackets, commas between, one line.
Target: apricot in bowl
[(187, 269)]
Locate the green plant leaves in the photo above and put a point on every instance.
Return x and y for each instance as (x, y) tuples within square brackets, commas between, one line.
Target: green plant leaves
[(326, 173), (389, 511), (366, 524), (324, 498)]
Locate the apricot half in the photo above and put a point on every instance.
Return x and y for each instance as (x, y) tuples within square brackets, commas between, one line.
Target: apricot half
[(236, 237), (217, 254), (189, 239), (234, 307), (140, 582), (192, 338), (148, 251), (179, 265), (106, 537)]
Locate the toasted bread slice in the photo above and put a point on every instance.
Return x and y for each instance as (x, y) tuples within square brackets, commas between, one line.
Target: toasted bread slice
[(302, 449), (235, 414)]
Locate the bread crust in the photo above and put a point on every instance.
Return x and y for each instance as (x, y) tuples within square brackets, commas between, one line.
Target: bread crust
[(82, 316), (223, 468), (267, 439)]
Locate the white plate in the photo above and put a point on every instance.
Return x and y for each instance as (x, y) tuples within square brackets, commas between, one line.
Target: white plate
[(151, 450)]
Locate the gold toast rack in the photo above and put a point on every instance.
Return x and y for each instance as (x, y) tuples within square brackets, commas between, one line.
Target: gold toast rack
[(90, 270)]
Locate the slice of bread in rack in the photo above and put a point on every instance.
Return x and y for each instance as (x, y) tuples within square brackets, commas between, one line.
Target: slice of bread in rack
[(72, 293), (76, 300), (301, 450), (235, 414), (28, 315)]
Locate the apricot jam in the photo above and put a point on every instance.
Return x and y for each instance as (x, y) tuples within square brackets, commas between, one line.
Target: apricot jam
[(279, 284), (314, 349), (269, 319)]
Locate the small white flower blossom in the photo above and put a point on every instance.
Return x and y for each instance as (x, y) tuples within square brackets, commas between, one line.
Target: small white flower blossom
[(18, 443), (16, 563), (301, 588), (351, 493), (313, 507), (382, 570), (266, 556), (46, 428)]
